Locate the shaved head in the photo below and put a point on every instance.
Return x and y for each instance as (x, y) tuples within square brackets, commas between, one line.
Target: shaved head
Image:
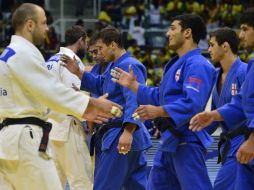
[(23, 13)]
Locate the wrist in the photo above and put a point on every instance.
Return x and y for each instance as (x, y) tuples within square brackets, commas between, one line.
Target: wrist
[(161, 112), (251, 137), (134, 86), (130, 128), (79, 74), (216, 116)]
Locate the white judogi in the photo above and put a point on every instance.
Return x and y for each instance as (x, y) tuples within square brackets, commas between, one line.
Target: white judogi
[(27, 88), (71, 153)]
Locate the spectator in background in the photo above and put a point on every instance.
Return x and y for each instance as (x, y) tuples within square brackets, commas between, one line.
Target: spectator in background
[(154, 13), (137, 33)]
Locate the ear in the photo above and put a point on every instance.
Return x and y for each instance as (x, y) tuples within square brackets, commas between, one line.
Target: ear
[(30, 24), (112, 46), (188, 33), (80, 40), (226, 46)]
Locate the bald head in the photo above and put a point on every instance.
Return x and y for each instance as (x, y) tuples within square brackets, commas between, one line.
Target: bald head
[(23, 13)]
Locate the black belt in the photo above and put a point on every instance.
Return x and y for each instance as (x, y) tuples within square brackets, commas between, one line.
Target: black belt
[(101, 131), (46, 127), (225, 138), (163, 124)]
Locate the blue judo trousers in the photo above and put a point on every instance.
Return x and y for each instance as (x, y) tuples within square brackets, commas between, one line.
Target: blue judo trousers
[(113, 170), (225, 179), (186, 85), (241, 109)]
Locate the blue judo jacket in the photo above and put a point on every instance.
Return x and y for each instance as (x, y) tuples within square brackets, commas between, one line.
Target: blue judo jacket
[(101, 84), (183, 92)]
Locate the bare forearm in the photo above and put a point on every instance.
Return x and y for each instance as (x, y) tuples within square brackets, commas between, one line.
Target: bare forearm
[(79, 74), (134, 87), (130, 127)]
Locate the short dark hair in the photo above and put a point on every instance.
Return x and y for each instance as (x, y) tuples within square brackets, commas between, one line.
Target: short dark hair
[(195, 23), (93, 39), (226, 35), (24, 12), (247, 17), (109, 35), (73, 33)]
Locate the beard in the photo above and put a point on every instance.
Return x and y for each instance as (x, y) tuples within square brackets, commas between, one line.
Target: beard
[(81, 53)]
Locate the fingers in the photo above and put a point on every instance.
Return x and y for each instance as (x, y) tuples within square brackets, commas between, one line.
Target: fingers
[(117, 105), (131, 70), (135, 116), (65, 58), (118, 70), (244, 157), (105, 96), (115, 74), (123, 149), (116, 111), (100, 119)]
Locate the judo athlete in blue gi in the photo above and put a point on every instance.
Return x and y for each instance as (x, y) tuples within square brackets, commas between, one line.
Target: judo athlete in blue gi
[(223, 47), (98, 69), (184, 90), (240, 109), (122, 162)]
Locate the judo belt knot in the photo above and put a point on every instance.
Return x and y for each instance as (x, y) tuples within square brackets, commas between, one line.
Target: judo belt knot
[(163, 124), (226, 137), (46, 127), (102, 129)]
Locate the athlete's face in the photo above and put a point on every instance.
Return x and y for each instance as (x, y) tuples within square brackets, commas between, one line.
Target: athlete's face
[(40, 27), (246, 36), (175, 35), (215, 50), (95, 50), (105, 51)]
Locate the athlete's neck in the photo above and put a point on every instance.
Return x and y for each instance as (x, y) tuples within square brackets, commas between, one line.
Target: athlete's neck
[(227, 62), (186, 47), (118, 54)]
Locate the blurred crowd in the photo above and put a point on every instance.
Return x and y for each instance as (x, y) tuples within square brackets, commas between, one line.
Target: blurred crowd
[(144, 24)]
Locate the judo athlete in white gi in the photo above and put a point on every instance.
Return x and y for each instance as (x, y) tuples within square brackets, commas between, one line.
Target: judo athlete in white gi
[(239, 110), (67, 136), (184, 90), (27, 90), (122, 163), (223, 47)]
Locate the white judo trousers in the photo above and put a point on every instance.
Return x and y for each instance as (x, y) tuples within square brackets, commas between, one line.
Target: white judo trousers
[(73, 160), (67, 136)]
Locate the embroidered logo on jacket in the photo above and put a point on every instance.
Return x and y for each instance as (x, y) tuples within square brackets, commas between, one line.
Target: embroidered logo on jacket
[(194, 83), (233, 89), (177, 75)]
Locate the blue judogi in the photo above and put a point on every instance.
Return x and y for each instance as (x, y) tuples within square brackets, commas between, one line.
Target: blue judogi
[(239, 110), (117, 170), (226, 176), (183, 92), (96, 70)]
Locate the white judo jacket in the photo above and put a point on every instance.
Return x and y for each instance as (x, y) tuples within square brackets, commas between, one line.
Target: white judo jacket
[(61, 123), (27, 88)]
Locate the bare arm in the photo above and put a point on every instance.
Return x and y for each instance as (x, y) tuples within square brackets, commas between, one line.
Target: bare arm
[(203, 119)]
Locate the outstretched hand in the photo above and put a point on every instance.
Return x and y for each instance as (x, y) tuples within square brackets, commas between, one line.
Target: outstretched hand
[(100, 110), (71, 64), (145, 112), (126, 79), (201, 120)]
